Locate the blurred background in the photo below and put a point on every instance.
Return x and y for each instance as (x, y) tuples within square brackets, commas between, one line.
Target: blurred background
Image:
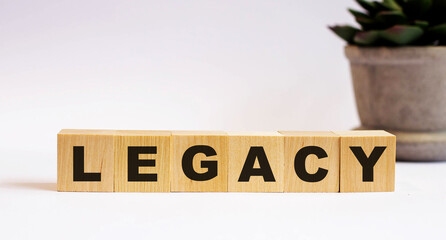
[(209, 65)]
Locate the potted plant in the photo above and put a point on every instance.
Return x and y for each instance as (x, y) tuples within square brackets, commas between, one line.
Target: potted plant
[(398, 64)]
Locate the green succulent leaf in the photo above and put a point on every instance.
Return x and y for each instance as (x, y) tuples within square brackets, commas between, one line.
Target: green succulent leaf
[(439, 30), (345, 32), (380, 6), (369, 6), (363, 19), (390, 18), (392, 5), (416, 8), (401, 34), (358, 14), (367, 22), (421, 24), (366, 38), (397, 23)]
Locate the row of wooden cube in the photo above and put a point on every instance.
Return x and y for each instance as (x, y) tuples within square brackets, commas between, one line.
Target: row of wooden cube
[(329, 163)]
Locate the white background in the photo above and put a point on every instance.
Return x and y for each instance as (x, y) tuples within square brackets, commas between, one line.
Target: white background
[(207, 65)]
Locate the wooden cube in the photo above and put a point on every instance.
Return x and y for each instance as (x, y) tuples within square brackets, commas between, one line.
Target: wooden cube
[(311, 161), (199, 161), (142, 161), (367, 161), (255, 162), (85, 160)]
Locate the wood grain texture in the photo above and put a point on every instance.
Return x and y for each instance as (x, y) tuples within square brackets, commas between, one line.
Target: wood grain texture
[(135, 138), (98, 157), (295, 141), (183, 140), (240, 144), (102, 160), (351, 171)]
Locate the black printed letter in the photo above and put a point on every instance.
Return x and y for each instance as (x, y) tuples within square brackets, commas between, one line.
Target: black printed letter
[(299, 164), (367, 163), (249, 170), (78, 167), (210, 165), (134, 163)]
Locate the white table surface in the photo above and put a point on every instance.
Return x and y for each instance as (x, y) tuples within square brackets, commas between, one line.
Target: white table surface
[(31, 208)]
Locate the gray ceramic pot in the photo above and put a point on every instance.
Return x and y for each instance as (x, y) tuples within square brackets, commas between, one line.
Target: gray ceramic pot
[(403, 90)]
